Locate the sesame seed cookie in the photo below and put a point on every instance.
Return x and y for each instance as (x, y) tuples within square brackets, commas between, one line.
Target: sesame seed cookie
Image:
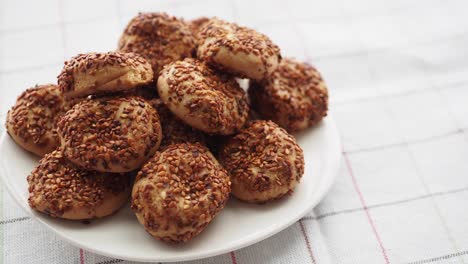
[(31, 122), (110, 134), (60, 189), (196, 24), (101, 73), (179, 192), (175, 130), (238, 50), (158, 37), (263, 161), (294, 96), (203, 98)]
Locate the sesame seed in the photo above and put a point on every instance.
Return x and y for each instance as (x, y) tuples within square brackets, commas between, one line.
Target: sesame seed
[(293, 96), (32, 120), (58, 187), (88, 65), (113, 144), (202, 97), (158, 37), (182, 205), (264, 173), (261, 54)]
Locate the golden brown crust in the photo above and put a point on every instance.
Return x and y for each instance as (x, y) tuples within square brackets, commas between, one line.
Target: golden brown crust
[(158, 37), (61, 189), (100, 73), (294, 96), (263, 161), (196, 24), (238, 50), (31, 122), (175, 130), (116, 134), (203, 98), (179, 192)]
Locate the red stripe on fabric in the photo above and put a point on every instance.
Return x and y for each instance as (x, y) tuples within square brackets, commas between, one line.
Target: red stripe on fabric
[(363, 203), (306, 238), (81, 256), (233, 258)]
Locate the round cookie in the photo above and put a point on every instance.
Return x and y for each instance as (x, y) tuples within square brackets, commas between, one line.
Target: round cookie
[(60, 189), (31, 122), (263, 161), (113, 134), (158, 37), (203, 98), (239, 50), (175, 130), (294, 96), (101, 73), (179, 192)]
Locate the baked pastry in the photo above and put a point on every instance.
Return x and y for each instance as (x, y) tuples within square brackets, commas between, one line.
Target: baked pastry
[(175, 130), (101, 73), (179, 192), (158, 37), (294, 96), (31, 121), (263, 161), (238, 50), (196, 24), (203, 98), (60, 189), (116, 134)]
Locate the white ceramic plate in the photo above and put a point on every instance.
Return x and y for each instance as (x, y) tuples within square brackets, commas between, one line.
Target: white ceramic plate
[(238, 225)]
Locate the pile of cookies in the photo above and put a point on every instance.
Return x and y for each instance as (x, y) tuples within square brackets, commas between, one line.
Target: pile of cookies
[(167, 107)]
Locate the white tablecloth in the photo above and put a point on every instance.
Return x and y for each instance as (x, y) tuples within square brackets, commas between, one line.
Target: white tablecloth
[(397, 71)]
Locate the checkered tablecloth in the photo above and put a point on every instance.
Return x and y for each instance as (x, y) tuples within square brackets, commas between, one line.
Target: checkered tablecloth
[(397, 71)]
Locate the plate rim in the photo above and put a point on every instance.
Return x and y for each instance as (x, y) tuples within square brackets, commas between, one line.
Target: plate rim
[(330, 173)]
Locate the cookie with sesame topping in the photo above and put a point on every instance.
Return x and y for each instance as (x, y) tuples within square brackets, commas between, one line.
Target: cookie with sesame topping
[(238, 50), (179, 192), (110, 134), (60, 189), (264, 162), (31, 122), (196, 24), (158, 37), (294, 96), (102, 73), (202, 97), (175, 130)]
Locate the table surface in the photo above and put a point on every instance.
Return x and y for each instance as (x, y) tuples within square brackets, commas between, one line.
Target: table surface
[(397, 72)]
